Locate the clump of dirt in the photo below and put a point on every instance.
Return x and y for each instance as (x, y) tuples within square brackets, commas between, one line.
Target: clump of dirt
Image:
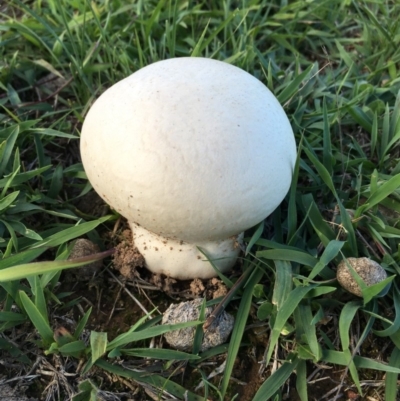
[(164, 283), (215, 288), (183, 339), (84, 247), (197, 287), (127, 259), (189, 289), (211, 289)]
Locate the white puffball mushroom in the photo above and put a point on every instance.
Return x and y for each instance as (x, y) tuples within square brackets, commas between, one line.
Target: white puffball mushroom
[(369, 271), (193, 152)]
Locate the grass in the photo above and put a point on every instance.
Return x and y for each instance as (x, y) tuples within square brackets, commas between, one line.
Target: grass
[(334, 66)]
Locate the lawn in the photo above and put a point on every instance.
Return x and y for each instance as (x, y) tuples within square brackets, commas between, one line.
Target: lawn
[(298, 335)]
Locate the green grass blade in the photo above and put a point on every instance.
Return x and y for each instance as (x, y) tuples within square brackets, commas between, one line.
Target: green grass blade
[(321, 227), (255, 237), (202, 44), (82, 323), (327, 145), (150, 332), (305, 326), (238, 329), (283, 283), (8, 200), (374, 134), (22, 257), (293, 87), (154, 17), (385, 134), (158, 382), (11, 317), (31, 269), (292, 208), (199, 333), (300, 257), (391, 388), (158, 353), (395, 327), (330, 252), (339, 358), (346, 317), (74, 348), (40, 300), (380, 194), (7, 150), (71, 233), (98, 344), (275, 381), (199, 45), (283, 315), (301, 380), (42, 326), (322, 172), (20, 178)]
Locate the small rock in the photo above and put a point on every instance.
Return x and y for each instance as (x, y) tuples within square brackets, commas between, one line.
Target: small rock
[(370, 272), (182, 339), (83, 247)]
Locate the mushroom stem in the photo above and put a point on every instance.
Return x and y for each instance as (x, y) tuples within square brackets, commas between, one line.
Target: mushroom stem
[(164, 255)]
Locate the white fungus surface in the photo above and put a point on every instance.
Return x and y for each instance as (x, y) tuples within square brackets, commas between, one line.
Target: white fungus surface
[(192, 150)]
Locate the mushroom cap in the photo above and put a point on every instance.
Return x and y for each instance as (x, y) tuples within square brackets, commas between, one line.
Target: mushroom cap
[(190, 148)]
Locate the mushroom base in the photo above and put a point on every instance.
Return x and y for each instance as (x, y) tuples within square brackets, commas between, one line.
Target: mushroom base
[(184, 261)]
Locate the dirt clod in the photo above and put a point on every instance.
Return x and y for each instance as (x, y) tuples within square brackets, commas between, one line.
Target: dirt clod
[(127, 259), (163, 283), (197, 287), (182, 339), (216, 288), (83, 247)]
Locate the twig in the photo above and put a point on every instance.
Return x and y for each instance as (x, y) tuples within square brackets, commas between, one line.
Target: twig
[(55, 93), (361, 237), (128, 292), (13, 379), (115, 304)]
